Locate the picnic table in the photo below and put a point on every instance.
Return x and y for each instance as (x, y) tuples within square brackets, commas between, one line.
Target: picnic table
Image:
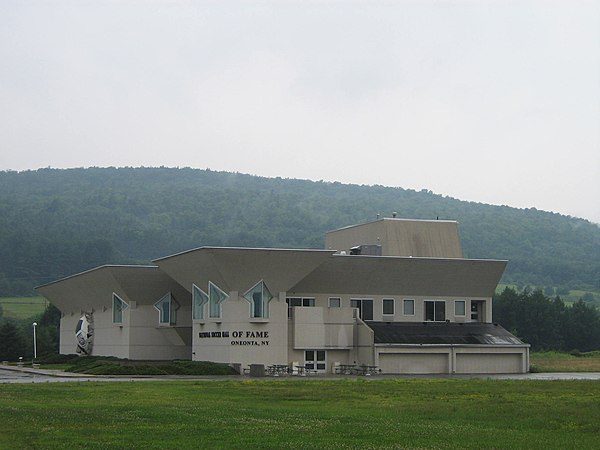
[(303, 370), (277, 369), (345, 369), (353, 369)]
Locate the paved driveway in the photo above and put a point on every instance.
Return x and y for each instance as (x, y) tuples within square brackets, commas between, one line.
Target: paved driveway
[(25, 375), (30, 376)]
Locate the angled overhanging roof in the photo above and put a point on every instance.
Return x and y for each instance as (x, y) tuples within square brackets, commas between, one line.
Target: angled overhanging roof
[(93, 289), (385, 275), (238, 269)]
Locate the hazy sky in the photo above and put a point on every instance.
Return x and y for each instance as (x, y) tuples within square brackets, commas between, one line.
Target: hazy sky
[(490, 101)]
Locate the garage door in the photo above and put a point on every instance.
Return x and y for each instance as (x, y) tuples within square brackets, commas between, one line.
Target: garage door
[(413, 362), (489, 363)]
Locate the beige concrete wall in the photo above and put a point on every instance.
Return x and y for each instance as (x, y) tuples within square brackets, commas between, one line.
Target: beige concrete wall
[(109, 339), (492, 360), (68, 343), (400, 237), (414, 363), (322, 328), (364, 349), (151, 341), (489, 363), (237, 338), (452, 359), (367, 234)]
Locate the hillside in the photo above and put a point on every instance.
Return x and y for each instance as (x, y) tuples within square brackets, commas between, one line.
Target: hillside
[(55, 223)]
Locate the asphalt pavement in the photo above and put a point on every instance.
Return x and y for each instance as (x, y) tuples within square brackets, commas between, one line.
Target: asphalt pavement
[(13, 374)]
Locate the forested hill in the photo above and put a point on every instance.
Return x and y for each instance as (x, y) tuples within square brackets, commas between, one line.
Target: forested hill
[(55, 223)]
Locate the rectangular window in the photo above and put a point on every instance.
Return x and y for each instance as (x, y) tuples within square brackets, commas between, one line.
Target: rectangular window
[(364, 306), (298, 301), (335, 302), (308, 302), (118, 307), (459, 308), (388, 306), (408, 307), (435, 310)]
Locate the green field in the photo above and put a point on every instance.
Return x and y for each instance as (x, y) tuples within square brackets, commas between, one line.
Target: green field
[(23, 307), (564, 362), (301, 413)]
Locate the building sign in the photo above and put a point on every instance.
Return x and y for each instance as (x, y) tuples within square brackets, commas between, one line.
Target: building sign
[(252, 338)]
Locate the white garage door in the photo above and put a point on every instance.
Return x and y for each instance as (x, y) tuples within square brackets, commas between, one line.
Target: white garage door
[(413, 362), (489, 363)]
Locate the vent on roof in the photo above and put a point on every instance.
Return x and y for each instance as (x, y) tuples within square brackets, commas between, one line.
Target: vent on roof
[(370, 250)]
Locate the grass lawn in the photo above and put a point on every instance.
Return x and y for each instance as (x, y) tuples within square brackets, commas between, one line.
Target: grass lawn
[(23, 307), (301, 413), (564, 362)]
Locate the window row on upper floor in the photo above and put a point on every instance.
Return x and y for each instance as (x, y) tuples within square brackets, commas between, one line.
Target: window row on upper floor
[(259, 297), (432, 310)]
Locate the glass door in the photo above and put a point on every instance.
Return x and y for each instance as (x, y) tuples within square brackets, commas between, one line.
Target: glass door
[(315, 360), (364, 306)]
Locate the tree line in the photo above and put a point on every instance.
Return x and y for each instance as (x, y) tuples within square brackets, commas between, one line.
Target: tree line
[(547, 323), (54, 222)]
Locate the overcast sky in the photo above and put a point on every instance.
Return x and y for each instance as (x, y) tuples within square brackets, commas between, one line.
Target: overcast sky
[(489, 101)]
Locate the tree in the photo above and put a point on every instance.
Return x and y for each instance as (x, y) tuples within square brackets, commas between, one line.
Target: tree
[(583, 328), (12, 344), (48, 331)]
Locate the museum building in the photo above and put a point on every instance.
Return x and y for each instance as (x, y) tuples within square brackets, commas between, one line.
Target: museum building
[(393, 294)]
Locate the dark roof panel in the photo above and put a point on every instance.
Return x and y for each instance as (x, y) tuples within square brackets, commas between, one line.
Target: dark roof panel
[(442, 333)]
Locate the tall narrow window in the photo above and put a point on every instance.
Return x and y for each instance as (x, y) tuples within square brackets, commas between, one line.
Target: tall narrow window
[(435, 310), (259, 297), (215, 298), (118, 306), (200, 298), (167, 308), (388, 306), (408, 307), (460, 308)]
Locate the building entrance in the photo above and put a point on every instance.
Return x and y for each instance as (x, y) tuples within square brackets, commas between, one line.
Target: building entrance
[(315, 360)]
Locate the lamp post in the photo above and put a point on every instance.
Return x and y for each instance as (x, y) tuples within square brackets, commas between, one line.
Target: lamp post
[(34, 342)]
